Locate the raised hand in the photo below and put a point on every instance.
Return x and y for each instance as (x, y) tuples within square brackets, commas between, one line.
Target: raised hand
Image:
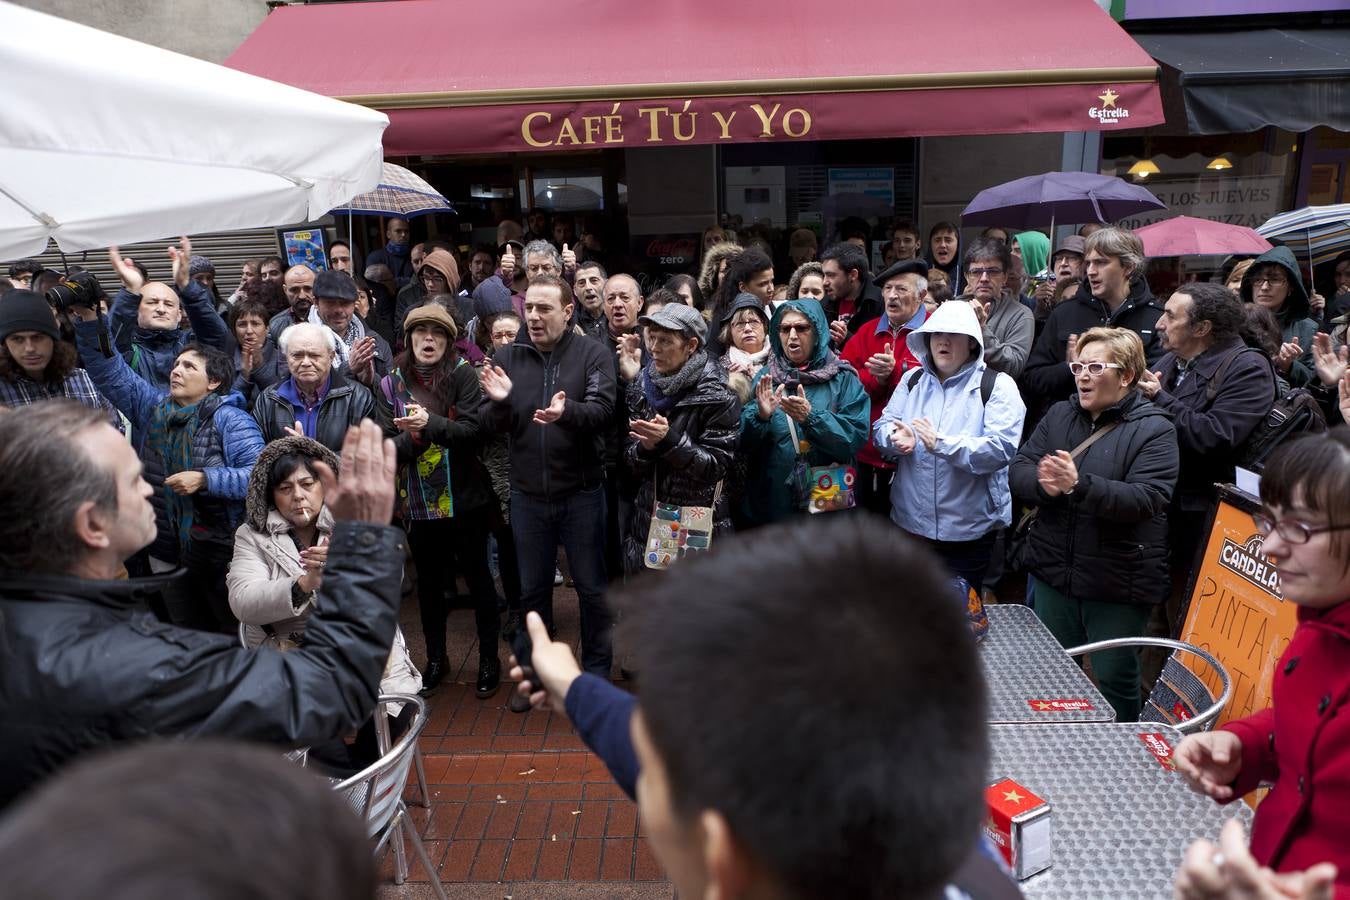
[(508, 263), (415, 418), (182, 262), (129, 274), (881, 365), (553, 664), (926, 433), (1150, 383), (1330, 363), (629, 352), (553, 412), (1290, 351), (366, 491), (496, 384), (1071, 349), (839, 331), (361, 360), (767, 397), (569, 258)]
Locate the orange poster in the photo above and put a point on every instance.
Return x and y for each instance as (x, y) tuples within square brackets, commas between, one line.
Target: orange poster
[(1236, 611)]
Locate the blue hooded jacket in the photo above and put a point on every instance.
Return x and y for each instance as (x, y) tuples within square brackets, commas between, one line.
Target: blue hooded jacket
[(835, 430), (958, 491)]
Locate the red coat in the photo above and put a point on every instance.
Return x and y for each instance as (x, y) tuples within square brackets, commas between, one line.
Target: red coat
[(1302, 744), (859, 349)]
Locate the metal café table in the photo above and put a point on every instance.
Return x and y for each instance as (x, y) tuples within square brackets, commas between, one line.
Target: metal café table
[(1031, 679), (1121, 816)]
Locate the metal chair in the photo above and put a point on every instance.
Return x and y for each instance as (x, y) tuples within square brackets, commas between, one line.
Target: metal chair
[(376, 793), (1179, 698), (417, 750)]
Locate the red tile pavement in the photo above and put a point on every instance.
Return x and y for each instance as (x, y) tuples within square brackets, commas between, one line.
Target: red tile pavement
[(519, 807)]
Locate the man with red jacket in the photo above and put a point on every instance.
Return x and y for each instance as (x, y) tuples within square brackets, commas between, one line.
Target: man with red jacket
[(880, 355)]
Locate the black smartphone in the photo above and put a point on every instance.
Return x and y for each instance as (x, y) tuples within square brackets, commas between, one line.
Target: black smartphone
[(522, 646)]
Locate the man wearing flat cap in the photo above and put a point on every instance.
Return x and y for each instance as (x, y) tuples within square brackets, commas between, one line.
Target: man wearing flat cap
[(881, 357), (363, 353)]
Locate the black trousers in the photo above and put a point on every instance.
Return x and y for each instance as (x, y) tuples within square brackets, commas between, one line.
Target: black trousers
[(199, 599), (441, 550), (873, 488)]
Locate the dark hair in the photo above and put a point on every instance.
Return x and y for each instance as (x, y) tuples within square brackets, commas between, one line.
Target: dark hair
[(270, 294), (1217, 305), (854, 227), (988, 248), (285, 465), (739, 268), (675, 282), (248, 307), (905, 225), (892, 810), (438, 243), (847, 256), (281, 263), (219, 366), (1261, 330), (339, 242), (991, 228), (547, 280), (25, 267), (662, 296), (65, 359), (48, 475), (209, 819), (484, 248), (944, 225), (1312, 471), (590, 264)]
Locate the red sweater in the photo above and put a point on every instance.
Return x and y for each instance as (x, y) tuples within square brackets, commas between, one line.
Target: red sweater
[(1302, 744), (874, 337)]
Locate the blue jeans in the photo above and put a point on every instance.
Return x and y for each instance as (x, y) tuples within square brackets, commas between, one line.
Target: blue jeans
[(578, 523)]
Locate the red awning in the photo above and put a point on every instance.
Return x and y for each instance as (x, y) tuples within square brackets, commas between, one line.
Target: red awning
[(478, 77)]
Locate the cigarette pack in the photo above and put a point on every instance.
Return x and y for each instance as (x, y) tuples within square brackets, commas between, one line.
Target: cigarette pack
[(1019, 824)]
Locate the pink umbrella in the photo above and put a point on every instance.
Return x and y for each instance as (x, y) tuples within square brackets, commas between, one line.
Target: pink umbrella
[(1187, 236)]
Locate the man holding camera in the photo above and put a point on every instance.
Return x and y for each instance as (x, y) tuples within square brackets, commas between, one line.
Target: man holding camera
[(146, 316), (87, 666)]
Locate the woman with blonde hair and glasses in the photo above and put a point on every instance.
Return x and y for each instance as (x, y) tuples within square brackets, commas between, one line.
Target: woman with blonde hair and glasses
[(1100, 469)]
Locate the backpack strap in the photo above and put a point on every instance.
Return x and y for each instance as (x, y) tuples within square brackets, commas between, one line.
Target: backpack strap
[(913, 378), (1212, 389), (987, 381)]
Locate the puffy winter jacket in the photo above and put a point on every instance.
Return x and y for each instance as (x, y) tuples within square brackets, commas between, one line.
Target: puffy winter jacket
[(1047, 374), (87, 666), (959, 490), (345, 404), (686, 466), (555, 461), (224, 448), (835, 429), (1108, 539)]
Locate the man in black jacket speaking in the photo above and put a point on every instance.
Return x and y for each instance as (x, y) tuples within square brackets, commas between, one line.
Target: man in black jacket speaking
[(553, 393), (87, 665)]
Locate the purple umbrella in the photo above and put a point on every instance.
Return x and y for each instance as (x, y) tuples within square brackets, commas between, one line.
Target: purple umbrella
[(1063, 196)]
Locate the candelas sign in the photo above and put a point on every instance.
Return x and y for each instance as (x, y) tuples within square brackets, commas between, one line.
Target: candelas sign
[(1236, 611)]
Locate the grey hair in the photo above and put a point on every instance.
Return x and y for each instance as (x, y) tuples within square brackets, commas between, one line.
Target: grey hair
[(541, 248), (48, 475), (284, 340)]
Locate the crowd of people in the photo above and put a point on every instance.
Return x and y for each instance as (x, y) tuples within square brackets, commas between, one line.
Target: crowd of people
[(504, 403)]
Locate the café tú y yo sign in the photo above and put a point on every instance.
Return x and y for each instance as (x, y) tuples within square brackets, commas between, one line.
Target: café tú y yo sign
[(666, 122)]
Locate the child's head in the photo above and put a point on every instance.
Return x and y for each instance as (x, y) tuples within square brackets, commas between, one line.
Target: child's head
[(1304, 489), (805, 731)]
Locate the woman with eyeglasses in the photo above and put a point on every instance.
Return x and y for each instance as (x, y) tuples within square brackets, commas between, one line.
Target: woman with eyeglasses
[(1274, 282), (1300, 741), (1100, 469), (808, 409)]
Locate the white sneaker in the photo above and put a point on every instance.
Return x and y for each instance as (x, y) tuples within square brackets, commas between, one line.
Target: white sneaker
[(557, 577)]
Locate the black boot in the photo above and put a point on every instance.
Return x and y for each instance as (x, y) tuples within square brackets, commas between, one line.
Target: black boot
[(434, 674), (489, 676)]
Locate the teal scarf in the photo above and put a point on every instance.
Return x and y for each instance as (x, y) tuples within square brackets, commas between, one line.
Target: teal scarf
[(171, 431)]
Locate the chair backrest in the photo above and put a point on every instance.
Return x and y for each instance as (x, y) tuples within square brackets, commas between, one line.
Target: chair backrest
[(375, 791), (1179, 697)]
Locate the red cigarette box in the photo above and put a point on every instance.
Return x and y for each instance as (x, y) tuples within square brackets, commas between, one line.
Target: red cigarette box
[(1019, 824)]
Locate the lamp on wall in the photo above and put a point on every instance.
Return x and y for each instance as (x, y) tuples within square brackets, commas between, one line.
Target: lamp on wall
[(1219, 163), (1143, 169)]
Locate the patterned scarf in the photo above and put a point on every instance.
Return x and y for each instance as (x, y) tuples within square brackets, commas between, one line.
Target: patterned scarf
[(664, 391), (424, 483), (829, 367), (170, 434)]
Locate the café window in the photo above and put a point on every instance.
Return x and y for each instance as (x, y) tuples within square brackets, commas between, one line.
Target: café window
[(1240, 179)]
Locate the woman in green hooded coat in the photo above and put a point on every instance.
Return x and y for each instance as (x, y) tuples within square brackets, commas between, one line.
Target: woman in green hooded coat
[(805, 382)]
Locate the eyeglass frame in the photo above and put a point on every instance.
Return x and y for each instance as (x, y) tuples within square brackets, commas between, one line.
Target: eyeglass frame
[(1265, 525), (1270, 280), (1077, 368), (977, 272)]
